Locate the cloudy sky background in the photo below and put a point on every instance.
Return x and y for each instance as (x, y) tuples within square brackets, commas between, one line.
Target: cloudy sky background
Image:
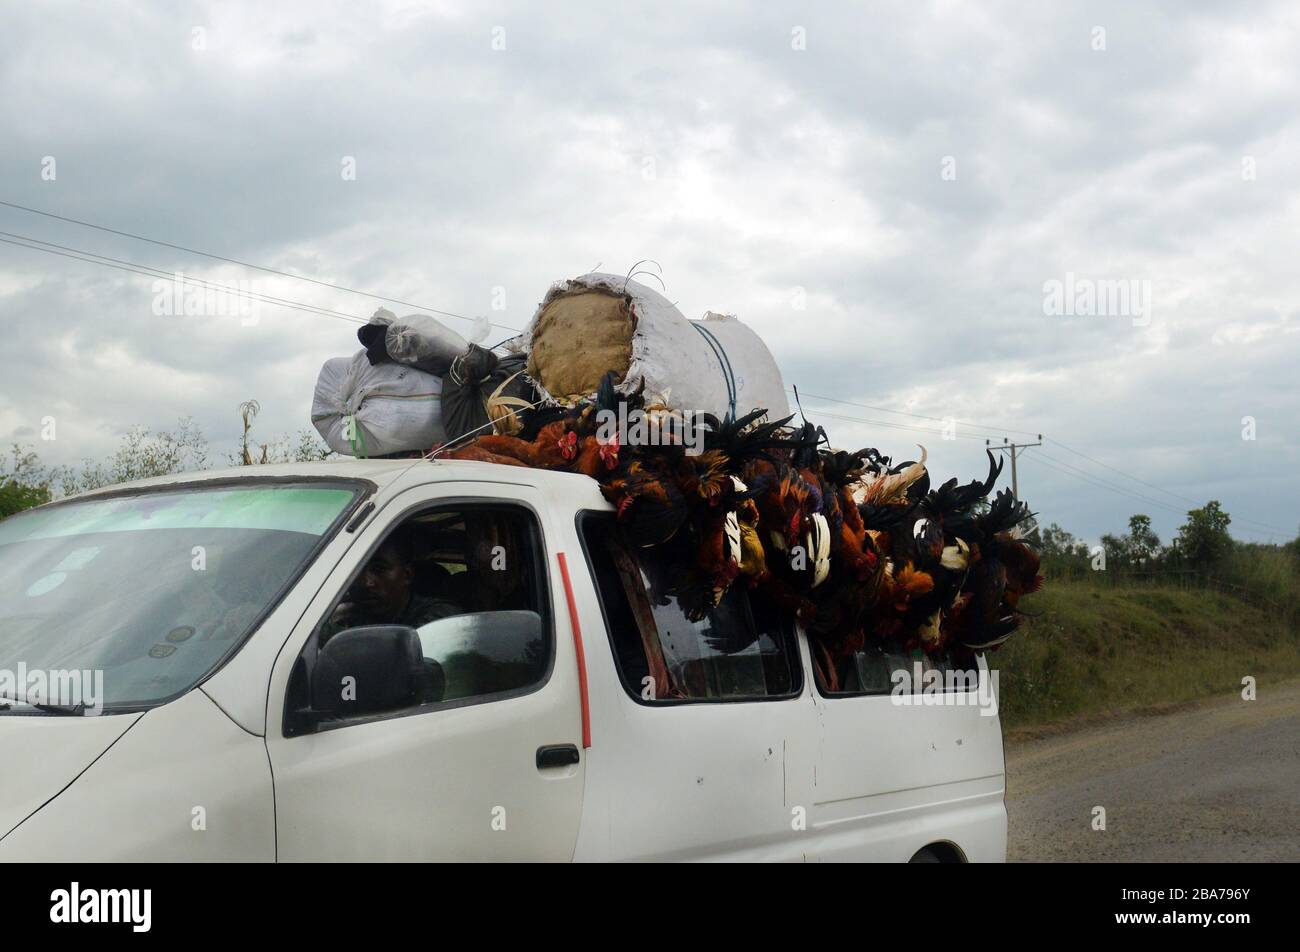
[(758, 174)]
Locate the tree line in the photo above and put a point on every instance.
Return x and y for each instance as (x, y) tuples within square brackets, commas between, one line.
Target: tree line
[(25, 481), (1202, 553), (1202, 542)]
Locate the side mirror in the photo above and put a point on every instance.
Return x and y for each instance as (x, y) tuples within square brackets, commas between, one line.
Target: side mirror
[(372, 669)]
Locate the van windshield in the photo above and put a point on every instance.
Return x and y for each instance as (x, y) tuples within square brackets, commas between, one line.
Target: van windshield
[(144, 594)]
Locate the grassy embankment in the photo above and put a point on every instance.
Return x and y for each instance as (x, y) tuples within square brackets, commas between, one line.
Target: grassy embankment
[(1096, 648)]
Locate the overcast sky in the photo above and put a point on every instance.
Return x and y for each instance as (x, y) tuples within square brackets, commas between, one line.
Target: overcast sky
[(884, 191)]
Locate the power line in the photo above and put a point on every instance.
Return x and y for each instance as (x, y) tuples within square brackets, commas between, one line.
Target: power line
[(1167, 492), (1100, 481), (1258, 529), (1136, 495), (969, 434), (1120, 471), (1078, 474), (172, 275), (146, 271), (1044, 460), (1058, 465), (885, 423), (903, 426), (999, 430), (1069, 449), (245, 264)]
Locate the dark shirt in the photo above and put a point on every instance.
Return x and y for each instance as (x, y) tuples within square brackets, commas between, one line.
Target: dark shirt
[(422, 609)]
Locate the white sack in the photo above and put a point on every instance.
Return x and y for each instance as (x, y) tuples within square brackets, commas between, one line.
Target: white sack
[(393, 408), (715, 365), (420, 340)]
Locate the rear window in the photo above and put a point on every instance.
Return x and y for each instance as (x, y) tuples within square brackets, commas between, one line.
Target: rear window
[(881, 669), (741, 650)]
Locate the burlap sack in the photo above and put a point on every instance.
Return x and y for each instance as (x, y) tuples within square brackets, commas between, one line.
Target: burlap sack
[(590, 325)]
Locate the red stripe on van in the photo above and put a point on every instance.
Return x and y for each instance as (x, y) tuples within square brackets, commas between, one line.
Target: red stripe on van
[(577, 644)]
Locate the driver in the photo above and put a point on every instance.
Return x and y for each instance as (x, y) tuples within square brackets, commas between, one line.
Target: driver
[(382, 593)]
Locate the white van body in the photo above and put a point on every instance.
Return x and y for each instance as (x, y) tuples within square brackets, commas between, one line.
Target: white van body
[(213, 775)]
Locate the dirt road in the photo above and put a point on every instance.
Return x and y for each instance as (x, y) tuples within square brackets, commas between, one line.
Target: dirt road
[(1217, 781)]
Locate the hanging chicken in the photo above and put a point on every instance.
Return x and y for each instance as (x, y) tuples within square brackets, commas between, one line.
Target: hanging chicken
[(858, 548)]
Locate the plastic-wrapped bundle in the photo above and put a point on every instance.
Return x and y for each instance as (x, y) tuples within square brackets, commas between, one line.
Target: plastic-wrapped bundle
[(483, 387), (416, 340), (590, 325), (363, 409)]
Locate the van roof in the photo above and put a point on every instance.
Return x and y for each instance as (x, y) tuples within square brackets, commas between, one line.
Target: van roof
[(380, 472)]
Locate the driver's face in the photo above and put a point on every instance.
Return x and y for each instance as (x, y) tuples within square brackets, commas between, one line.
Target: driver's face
[(385, 584)]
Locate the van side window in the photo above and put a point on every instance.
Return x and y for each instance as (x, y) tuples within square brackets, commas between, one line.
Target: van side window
[(875, 669), (470, 582), (739, 650)]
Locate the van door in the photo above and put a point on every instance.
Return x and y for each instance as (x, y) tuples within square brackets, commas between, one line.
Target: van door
[(704, 738), (484, 764), (901, 770)]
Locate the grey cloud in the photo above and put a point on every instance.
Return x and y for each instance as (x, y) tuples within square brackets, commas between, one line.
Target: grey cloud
[(773, 169)]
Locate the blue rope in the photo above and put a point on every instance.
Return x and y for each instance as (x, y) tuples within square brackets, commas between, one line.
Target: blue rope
[(728, 375)]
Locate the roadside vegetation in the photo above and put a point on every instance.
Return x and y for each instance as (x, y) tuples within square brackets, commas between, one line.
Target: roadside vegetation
[(1140, 625), (141, 453)]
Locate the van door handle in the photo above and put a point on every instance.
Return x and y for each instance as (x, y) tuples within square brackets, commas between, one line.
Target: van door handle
[(557, 755)]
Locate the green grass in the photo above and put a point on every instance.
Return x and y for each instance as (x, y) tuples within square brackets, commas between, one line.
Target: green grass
[(1273, 574), (1098, 649)]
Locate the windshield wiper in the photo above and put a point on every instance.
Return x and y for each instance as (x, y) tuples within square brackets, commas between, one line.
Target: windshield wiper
[(67, 710)]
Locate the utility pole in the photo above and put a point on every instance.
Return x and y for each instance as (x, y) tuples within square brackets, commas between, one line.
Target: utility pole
[(1013, 449)]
